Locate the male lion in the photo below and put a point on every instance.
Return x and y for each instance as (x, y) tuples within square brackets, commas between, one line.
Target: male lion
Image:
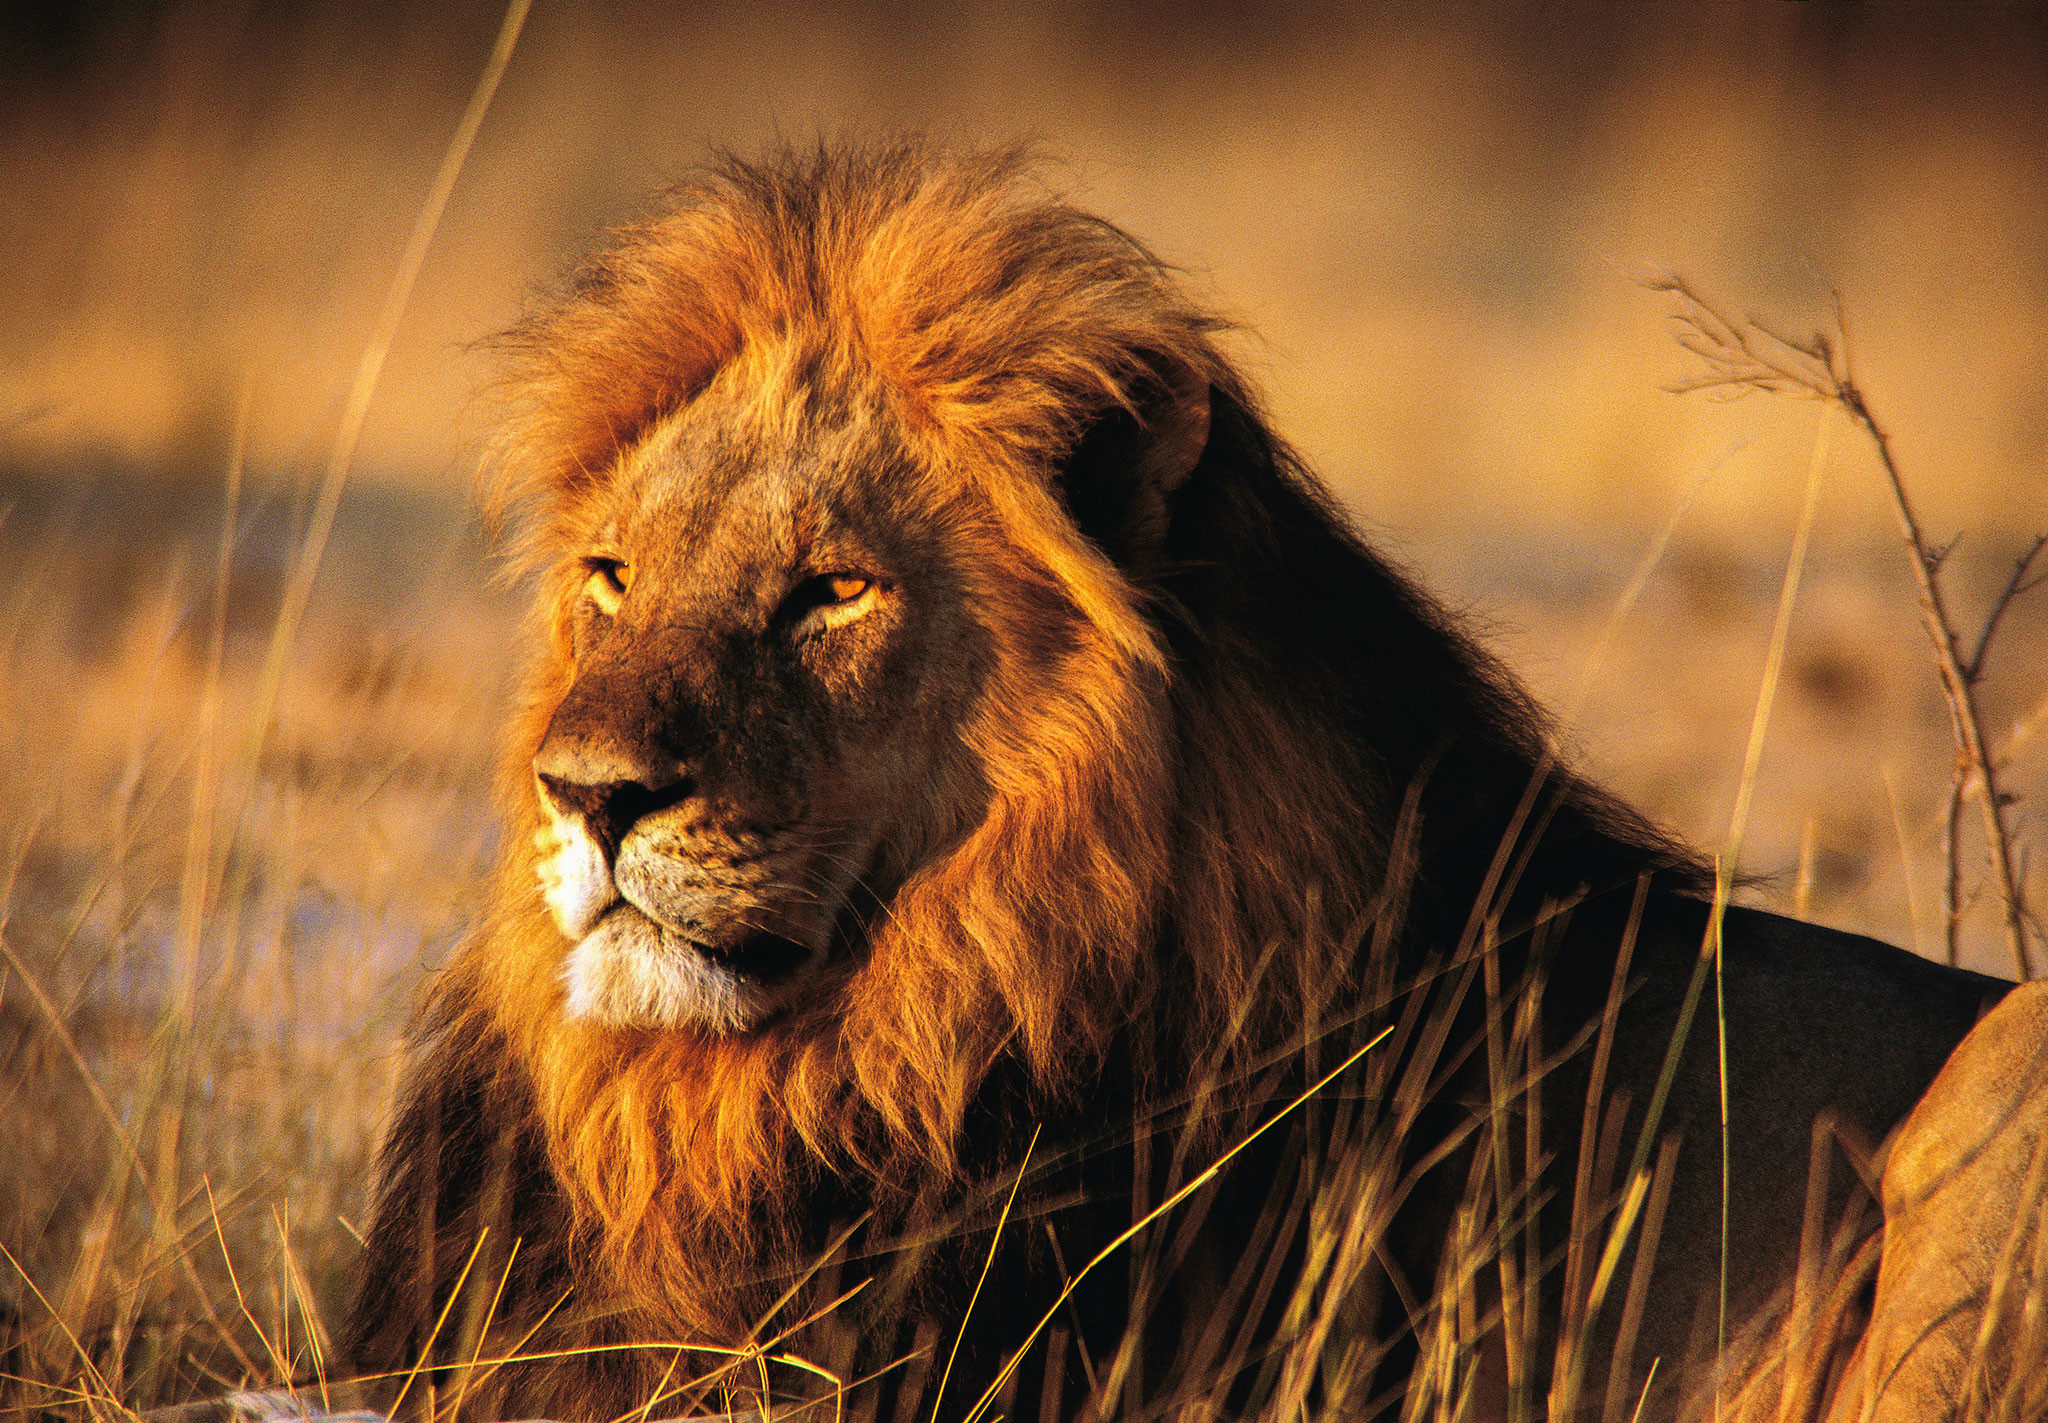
[(956, 721)]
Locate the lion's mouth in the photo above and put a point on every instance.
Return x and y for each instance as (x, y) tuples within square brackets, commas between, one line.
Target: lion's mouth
[(665, 942), (633, 971), (769, 958), (760, 955)]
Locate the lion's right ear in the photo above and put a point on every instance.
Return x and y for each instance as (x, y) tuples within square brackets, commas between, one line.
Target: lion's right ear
[(1120, 474)]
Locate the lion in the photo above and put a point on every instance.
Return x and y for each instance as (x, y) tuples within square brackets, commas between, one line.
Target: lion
[(971, 779), (1955, 1330)]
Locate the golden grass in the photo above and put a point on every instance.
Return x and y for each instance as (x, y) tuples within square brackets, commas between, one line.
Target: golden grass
[(213, 930), (242, 813)]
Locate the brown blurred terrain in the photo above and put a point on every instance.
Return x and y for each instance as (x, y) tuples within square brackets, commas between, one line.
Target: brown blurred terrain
[(1430, 220)]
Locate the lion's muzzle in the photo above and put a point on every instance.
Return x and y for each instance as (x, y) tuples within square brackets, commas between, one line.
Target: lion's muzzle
[(675, 921)]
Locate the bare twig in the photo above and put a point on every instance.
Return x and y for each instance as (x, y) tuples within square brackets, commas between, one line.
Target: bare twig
[(1744, 355), (2023, 581)]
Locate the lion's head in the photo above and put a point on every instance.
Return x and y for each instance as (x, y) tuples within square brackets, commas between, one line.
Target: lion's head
[(814, 652)]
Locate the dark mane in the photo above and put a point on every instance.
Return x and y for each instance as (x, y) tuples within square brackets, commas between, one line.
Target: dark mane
[(1403, 726)]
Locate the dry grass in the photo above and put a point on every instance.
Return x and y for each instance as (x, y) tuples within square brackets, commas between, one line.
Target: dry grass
[(220, 891), (214, 923), (213, 926)]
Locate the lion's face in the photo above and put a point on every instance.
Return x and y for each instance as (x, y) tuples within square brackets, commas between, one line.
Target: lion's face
[(769, 656)]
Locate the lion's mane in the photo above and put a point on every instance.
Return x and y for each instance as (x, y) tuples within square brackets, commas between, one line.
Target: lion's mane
[(1263, 750)]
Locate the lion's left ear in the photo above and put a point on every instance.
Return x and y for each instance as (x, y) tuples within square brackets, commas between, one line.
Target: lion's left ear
[(1122, 471)]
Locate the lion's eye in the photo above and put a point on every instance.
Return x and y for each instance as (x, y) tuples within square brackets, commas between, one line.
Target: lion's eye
[(833, 597), (607, 584)]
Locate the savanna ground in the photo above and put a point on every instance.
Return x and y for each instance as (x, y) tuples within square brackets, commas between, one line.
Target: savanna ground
[(234, 841)]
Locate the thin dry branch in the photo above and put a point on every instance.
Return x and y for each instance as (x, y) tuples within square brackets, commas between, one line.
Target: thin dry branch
[(2024, 580), (1744, 355)]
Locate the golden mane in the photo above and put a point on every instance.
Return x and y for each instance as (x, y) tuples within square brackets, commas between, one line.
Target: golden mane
[(1000, 323)]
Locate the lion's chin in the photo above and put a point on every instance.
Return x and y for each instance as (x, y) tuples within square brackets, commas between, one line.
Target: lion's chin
[(626, 973)]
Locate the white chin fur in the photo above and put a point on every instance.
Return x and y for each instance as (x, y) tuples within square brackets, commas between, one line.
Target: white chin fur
[(622, 975)]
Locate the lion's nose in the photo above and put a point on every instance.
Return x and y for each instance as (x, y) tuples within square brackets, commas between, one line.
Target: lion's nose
[(615, 752), (611, 807)]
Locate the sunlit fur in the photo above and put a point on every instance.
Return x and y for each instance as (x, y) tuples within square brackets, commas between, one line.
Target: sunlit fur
[(1158, 821)]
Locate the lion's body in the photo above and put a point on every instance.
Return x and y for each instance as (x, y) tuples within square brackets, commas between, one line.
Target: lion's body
[(1953, 1327), (956, 715)]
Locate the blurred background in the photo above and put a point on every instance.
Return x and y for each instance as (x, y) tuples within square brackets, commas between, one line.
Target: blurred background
[(233, 838)]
